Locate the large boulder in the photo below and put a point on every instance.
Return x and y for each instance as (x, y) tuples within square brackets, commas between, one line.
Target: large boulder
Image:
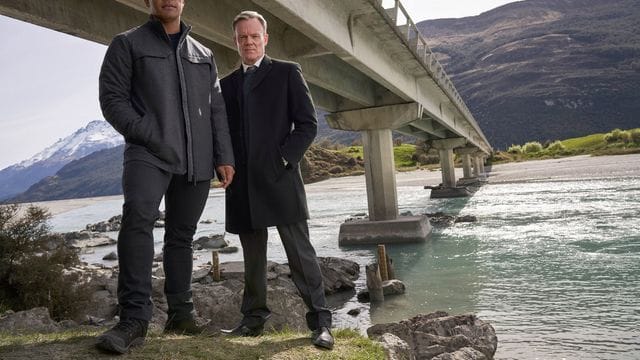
[(338, 274), (218, 303), (442, 336), (33, 320), (216, 241)]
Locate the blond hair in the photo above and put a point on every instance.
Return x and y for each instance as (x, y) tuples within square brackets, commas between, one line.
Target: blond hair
[(246, 15)]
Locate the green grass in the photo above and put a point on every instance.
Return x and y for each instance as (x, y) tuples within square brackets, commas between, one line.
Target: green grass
[(288, 345), (402, 154), (594, 144), (589, 142)]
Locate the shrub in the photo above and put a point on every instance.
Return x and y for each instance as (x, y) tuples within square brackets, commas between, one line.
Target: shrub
[(33, 263), (556, 146), (515, 149), (635, 135), (617, 135), (425, 159), (532, 147)]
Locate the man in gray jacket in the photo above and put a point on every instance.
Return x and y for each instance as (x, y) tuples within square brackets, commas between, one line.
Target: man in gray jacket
[(159, 88)]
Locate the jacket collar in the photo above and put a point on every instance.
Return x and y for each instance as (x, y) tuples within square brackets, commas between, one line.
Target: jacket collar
[(158, 29)]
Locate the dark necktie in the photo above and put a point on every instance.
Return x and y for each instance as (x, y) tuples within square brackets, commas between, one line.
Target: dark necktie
[(248, 75)]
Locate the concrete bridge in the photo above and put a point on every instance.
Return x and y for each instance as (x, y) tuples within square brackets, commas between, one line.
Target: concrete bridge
[(365, 62)]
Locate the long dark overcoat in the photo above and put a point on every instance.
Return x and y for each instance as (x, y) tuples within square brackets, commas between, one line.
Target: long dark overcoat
[(276, 120)]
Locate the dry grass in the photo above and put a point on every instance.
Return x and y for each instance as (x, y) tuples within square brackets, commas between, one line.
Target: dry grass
[(286, 345)]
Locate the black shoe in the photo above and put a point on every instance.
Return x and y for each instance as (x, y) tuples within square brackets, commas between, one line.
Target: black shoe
[(183, 327), (126, 334), (322, 338), (244, 330)]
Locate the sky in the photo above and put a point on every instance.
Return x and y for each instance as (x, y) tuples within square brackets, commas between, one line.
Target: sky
[(49, 80)]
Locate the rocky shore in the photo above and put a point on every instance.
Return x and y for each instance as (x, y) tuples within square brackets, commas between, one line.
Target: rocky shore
[(432, 336)]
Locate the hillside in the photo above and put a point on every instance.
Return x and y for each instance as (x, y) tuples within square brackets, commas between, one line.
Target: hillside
[(98, 174), (545, 69)]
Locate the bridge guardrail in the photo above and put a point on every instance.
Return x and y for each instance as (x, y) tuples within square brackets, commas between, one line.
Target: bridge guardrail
[(417, 44)]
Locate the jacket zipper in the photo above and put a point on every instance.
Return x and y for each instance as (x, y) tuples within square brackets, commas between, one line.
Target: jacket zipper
[(185, 110)]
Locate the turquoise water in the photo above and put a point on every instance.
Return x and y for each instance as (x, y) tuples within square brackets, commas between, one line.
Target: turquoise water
[(553, 264)]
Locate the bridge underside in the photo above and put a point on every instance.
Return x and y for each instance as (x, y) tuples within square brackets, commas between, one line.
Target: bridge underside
[(366, 65)]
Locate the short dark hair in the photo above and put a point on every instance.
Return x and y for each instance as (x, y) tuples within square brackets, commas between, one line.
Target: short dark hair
[(246, 15)]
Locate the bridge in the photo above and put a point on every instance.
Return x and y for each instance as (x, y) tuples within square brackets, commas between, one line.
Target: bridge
[(366, 64)]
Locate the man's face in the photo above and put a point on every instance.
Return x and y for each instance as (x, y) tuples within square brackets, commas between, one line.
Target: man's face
[(166, 10), (251, 40)]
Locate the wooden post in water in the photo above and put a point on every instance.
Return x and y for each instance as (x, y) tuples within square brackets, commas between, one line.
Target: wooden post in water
[(390, 271), (215, 266), (382, 261), (374, 283)]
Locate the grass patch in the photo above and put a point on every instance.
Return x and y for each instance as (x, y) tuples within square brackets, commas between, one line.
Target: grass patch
[(402, 154), (589, 142), (286, 345), (616, 142)]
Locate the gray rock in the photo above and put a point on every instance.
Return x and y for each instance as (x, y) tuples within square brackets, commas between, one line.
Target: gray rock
[(113, 224), (439, 335), (338, 274), (466, 353), (353, 312), (466, 218), (396, 348), (228, 250), (210, 242), (441, 219), (86, 239), (33, 320), (111, 256), (393, 287)]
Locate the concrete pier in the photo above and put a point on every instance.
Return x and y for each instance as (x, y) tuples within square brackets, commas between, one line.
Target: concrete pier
[(448, 187), (467, 169), (384, 225)]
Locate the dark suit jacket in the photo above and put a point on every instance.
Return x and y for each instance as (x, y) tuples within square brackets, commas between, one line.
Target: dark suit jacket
[(279, 121)]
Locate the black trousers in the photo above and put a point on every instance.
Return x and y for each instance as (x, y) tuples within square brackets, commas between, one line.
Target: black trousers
[(305, 273), (144, 185)]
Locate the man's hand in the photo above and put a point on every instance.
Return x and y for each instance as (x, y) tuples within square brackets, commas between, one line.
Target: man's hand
[(225, 175)]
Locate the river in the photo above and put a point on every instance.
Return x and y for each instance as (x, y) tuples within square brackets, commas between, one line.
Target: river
[(553, 261)]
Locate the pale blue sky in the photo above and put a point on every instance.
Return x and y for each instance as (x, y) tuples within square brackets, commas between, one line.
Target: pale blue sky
[(49, 79)]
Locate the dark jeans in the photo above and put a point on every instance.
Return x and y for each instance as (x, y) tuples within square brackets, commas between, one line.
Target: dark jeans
[(305, 273), (144, 185)]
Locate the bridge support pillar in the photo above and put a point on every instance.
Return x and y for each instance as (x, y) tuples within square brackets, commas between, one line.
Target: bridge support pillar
[(380, 174), (448, 187), (467, 154), (384, 225), (478, 166)]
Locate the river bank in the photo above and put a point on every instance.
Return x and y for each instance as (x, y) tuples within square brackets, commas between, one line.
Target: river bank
[(552, 261)]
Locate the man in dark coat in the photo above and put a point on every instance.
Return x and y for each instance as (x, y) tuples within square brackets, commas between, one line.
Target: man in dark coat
[(272, 122), (159, 88)]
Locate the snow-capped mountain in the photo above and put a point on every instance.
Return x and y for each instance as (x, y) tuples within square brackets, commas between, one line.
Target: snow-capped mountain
[(97, 135)]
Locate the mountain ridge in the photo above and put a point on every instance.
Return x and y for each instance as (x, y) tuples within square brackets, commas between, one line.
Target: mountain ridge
[(543, 69), (96, 135)]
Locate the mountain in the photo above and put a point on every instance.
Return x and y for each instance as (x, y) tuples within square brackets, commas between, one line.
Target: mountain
[(545, 69), (97, 174), (96, 135)]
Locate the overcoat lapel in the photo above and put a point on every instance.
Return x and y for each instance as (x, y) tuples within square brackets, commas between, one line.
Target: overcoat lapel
[(237, 83), (263, 70)]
